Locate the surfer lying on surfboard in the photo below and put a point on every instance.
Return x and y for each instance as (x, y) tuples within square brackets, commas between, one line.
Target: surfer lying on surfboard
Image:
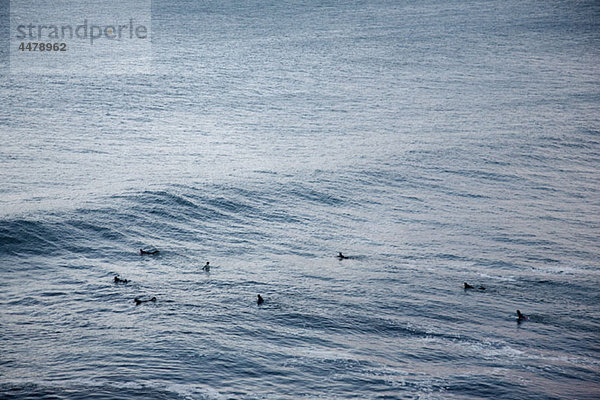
[(119, 280), (142, 252), (138, 301)]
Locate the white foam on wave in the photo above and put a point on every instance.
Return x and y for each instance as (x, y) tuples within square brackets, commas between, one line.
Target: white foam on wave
[(194, 391), (326, 354), (569, 270), (501, 278), (491, 350), (580, 361), (486, 350), (427, 386)]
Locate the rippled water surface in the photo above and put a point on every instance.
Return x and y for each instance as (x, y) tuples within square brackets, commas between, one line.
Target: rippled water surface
[(432, 143)]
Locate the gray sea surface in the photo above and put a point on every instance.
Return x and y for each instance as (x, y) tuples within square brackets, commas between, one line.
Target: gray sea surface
[(433, 143)]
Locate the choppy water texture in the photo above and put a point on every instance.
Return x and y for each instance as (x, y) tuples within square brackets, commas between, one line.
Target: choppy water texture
[(433, 142)]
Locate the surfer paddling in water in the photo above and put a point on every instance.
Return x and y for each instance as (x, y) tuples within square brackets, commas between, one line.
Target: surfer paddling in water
[(138, 301), (521, 317), (467, 286), (148, 252)]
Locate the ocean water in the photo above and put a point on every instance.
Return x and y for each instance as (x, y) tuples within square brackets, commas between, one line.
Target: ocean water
[(434, 143)]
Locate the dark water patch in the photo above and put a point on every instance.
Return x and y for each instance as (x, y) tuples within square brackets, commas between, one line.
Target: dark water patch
[(28, 237), (514, 239), (231, 206), (483, 386), (310, 194), (485, 175), (380, 177), (282, 217), (52, 294), (25, 301), (542, 259), (162, 207), (167, 198), (75, 391), (56, 236), (450, 257), (104, 232)]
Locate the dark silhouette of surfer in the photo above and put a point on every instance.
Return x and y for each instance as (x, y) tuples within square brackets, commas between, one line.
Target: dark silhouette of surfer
[(259, 300), (149, 252), (521, 317), (467, 286), (138, 301), (341, 256), (206, 267), (119, 280)]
